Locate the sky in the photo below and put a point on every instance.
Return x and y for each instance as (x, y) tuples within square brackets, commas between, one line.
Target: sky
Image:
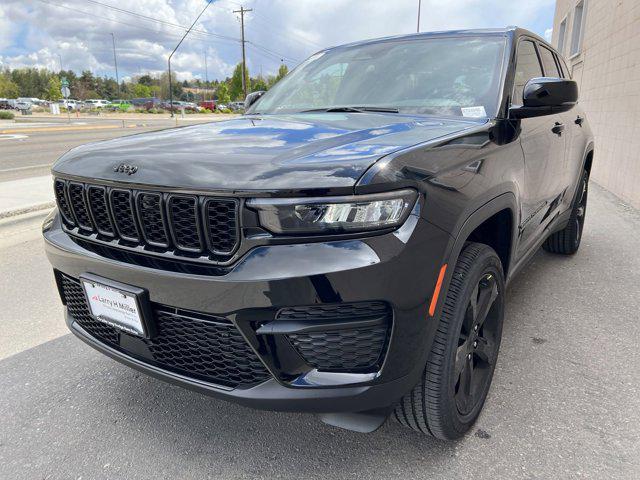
[(77, 33)]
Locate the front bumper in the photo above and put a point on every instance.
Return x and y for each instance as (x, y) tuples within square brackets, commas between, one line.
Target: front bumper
[(398, 268)]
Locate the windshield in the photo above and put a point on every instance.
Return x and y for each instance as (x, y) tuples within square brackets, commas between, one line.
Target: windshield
[(457, 76)]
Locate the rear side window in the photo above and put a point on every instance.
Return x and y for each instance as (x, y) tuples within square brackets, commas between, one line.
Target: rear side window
[(563, 66), (549, 62), (527, 67)]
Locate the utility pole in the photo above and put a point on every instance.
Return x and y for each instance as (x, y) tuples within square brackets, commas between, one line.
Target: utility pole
[(60, 58), (419, 5), (115, 62), (206, 75), (242, 11)]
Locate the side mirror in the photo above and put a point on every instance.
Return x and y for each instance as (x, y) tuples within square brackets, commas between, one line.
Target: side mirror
[(546, 96), (252, 98)]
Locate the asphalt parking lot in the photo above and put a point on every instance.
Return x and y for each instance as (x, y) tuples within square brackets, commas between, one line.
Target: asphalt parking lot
[(565, 402), (31, 146)]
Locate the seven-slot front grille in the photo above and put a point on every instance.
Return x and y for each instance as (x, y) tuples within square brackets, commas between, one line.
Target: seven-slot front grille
[(196, 345), (186, 225)]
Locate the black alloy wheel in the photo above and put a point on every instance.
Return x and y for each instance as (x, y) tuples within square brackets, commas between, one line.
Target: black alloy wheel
[(581, 211), (567, 241), (456, 379), (477, 346)]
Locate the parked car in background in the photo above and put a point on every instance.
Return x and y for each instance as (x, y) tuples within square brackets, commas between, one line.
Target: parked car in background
[(70, 104), (344, 247), (222, 106), (236, 106), (208, 104), (30, 100), (5, 104), (178, 105), (23, 105), (122, 105), (97, 104), (146, 103), (194, 107)]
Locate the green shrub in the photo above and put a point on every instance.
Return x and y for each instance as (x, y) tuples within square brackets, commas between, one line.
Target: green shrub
[(6, 115), (206, 110)]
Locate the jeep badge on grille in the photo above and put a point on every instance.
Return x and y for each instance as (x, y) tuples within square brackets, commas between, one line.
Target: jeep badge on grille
[(124, 168)]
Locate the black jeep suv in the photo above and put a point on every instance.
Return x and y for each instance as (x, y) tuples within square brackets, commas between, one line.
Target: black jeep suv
[(343, 247)]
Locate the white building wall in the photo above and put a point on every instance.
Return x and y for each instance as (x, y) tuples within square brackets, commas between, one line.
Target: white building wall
[(607, 68)]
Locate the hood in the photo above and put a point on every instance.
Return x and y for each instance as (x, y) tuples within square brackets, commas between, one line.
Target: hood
[(294, 152)]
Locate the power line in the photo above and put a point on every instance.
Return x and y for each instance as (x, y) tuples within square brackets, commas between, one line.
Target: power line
[(269, 22), (195, 30), (272, 53), (172, 35), (164, 22), (174, 51), (200, 34)]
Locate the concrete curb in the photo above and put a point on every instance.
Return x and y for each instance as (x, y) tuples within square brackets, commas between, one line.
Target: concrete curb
[(25, 210)]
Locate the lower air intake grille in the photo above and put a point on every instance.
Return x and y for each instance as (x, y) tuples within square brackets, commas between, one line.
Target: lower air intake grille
[(341, 350), (195, 345), (360, 348)]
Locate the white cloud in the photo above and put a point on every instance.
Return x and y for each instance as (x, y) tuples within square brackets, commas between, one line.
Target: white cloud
[(32, 33), (548, 33)]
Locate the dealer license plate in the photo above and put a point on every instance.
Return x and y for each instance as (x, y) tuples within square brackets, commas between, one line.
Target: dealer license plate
[(114, 306)]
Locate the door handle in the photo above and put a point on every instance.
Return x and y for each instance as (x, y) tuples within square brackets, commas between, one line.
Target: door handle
[(558, 128), (579, 120)]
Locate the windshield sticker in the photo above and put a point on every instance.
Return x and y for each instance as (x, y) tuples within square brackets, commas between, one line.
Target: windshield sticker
[(473, 111)]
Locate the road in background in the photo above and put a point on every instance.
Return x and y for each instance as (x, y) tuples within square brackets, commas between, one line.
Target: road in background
[(564, 404), (30, 147)]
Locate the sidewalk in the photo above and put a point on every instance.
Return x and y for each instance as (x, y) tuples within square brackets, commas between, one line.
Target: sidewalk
[(26, 195)]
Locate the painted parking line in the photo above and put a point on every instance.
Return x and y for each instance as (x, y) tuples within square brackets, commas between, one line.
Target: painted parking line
[(60, 129), (13, 137), (31, 167)]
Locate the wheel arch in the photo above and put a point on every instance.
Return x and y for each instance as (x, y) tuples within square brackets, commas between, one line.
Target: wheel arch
[(477, 228), (498, 212), (588, 158)]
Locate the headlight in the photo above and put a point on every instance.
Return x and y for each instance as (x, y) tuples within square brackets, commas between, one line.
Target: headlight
[(356, 213)]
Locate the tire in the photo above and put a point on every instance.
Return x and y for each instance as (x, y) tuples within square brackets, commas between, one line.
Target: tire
[(567, 240), (439, 405)]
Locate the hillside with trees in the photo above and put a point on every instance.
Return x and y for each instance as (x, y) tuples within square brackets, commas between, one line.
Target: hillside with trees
[(44, 84)]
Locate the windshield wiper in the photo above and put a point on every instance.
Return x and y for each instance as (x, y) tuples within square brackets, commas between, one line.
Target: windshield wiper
[(354, 109)]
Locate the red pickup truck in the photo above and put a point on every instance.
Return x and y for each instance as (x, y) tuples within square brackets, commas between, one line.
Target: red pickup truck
[(208, 104)]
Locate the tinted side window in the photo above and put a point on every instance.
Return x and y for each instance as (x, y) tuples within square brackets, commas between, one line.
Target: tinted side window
[(527, 67), (563, 65), (549, 62)]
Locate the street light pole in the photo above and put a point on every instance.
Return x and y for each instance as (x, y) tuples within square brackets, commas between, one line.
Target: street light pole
[(419, 5), (174, 51), (115, 62)]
